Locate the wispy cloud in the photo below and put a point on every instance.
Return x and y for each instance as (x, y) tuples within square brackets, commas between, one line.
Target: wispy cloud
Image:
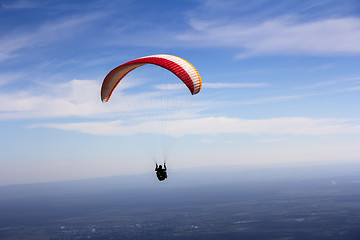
[(274, 140), (21, 4), (337, 82), (282, 35), (274, 99), (213, 85), (175, 86), (350, 89), (235, 85), (81, 98), (220, 125), (17, 40), (322, 67), (6, 78), (74, 98), (207, 140)]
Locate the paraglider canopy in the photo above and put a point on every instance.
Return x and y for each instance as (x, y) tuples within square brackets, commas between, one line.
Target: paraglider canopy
[(180, 67)]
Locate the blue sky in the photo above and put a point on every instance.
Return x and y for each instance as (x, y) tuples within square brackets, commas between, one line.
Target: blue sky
[(281, 84)]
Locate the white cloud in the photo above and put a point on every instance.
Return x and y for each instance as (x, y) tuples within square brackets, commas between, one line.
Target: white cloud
[(273, 99), (174, 86), (350, 89), (274, 140), (213, 85), (6, 78), (322, 67), (74, 98), (234, 85), (220, 125), (81, 98), (21, 4), (13, 42), (337, 82), (283, 35)]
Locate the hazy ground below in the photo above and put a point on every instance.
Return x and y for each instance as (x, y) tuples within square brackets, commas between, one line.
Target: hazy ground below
[(274, 202)]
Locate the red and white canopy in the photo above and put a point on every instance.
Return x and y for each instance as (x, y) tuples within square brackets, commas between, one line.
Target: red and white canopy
[(180, 67)]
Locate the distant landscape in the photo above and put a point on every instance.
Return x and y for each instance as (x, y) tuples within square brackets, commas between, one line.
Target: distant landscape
[(266, 203)]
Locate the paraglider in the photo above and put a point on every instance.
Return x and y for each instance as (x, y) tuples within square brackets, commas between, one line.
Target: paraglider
[(186, 72), (161, 172)]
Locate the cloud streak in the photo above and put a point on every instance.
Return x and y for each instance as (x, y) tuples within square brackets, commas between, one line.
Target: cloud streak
[(219, 125), (74, 98), (81, 98), (213, 85), (337, 83), (12, 43), (284, 36), (21, 4), (235, 85)]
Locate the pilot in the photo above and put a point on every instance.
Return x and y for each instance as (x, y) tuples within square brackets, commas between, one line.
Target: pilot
[(161, 172)]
